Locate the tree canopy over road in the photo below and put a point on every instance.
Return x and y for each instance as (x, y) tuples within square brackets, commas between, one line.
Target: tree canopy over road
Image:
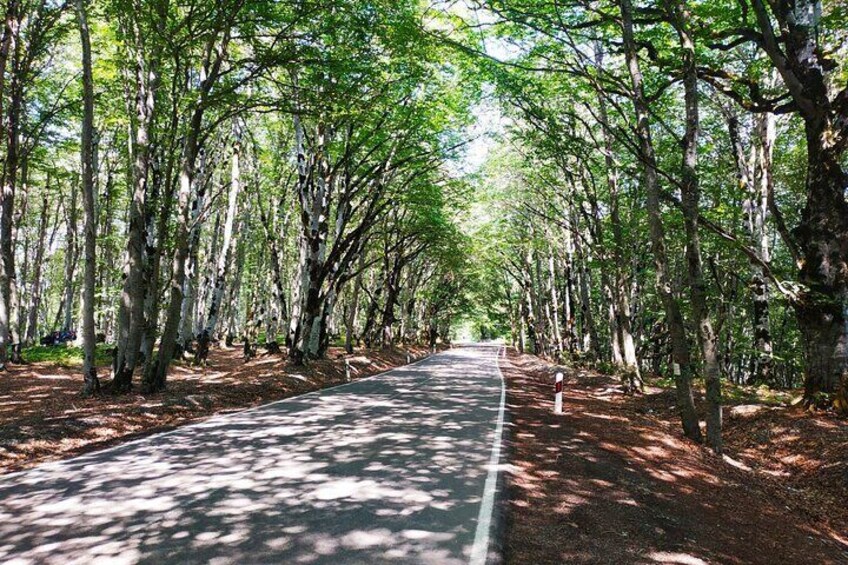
[(649, 188)]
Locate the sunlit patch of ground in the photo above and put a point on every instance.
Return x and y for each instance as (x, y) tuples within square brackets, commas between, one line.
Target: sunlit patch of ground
[(43, 417), (613, 481)]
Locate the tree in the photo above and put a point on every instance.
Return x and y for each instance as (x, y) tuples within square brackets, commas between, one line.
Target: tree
[(92, 384)]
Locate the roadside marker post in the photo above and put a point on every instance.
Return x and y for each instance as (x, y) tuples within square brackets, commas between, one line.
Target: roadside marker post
[(558, 394), (347, 370)]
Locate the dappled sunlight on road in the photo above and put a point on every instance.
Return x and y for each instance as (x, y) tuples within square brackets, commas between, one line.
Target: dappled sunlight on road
[(383, 469)]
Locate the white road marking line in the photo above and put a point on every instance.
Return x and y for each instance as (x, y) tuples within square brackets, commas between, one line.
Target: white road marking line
[(480, 549)]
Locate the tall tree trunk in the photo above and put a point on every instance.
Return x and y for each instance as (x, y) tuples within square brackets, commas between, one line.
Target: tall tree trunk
[(765, 133), (157, 380), (590, 333), (20, 307), (567, 293), (620, 304), (555, 322), (823, 307), (756, 180), (7, 45), (314, 205), (278, 288), (8, 282), (206, 277), (131, 311), (373, 305), (189, 306), (534, 270), (71, 258), (353, 308), (89, 369), (225, 253), (213, 59), (38, 264), (105, 312), (391, 290), (682, 366), (822, 236), (162, 194), (235, 288), (299, 296), (691, 194), (293, 334)]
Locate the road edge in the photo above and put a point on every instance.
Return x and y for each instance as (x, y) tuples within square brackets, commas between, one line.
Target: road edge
[(488, 539), (224, 415)]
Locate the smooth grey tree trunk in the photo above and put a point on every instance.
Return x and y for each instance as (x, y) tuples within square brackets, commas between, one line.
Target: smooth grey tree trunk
[(11, 46), (681, 357), (761, 187), (214, 57), (31, 334), (691, 193), (89, 369), (131, 310), (622, 324), (225, 253), (71, 258)]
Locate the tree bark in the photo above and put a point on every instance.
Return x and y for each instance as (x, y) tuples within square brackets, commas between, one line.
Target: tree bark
[(822, 236), (620, 304), (279, 290), (759, 196), (353, 309), (89, 369), (682, 366), (214, 57), (555, 322), (71, 258), (131, 311), (31, 335), (691, 194), (755, 180), (225, 253), (105, 312), (11, 46)]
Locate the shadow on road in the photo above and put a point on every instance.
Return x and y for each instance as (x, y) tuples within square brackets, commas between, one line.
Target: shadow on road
[(390, 468)]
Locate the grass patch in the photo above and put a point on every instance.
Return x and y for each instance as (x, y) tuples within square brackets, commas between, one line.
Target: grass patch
[(739, 394), (735, 394), (65, 355)]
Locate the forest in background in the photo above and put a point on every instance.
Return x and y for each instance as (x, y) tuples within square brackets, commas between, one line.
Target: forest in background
[(177, 174), (664, 194), (670, 192)]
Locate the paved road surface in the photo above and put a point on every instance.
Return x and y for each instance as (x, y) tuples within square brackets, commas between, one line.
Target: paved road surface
[(387, 469)]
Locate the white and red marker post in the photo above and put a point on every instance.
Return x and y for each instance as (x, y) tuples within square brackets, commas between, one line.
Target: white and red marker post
[(558, 394)]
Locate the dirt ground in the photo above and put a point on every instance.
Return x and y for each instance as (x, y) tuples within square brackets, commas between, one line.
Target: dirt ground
[(43, 417), (612, 480)]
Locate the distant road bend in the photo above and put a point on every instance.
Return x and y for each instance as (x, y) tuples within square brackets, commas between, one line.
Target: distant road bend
[(397, 468)]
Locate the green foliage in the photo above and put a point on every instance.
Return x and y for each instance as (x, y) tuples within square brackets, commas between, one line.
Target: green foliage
[(65, 355)]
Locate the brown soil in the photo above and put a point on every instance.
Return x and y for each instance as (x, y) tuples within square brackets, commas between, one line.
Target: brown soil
[(43, 417), (613, 481)]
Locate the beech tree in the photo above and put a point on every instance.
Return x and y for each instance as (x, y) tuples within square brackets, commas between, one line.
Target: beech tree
[(629, 93), (662, 194)]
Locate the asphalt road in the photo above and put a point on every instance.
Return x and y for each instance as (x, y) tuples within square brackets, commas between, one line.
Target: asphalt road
[(397, 468)]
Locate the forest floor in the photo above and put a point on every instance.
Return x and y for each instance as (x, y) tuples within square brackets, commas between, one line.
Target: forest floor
[(43, 417), (613, 481)]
